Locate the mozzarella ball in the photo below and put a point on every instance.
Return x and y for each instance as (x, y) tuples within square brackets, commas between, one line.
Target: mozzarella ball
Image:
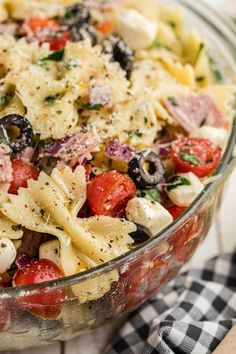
[(217, 135), (137, 31), (152, 216), (50, 250), (7, 254), (184, 195)]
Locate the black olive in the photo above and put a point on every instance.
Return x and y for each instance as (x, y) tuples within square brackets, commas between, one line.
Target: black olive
[(78, 34), (146, 169), (120, 52), (26, 132), (76, 15), (139, 235)]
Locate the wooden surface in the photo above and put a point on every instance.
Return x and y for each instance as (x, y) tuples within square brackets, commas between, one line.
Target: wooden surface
[(221, 238)]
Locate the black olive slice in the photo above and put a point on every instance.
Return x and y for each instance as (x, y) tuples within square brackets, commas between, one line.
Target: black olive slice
[(139, 235), (76, 15), (120, 52), (146, 169), (25, 137)]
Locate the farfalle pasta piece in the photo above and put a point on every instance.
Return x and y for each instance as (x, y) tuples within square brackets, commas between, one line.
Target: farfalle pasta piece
[(49, 206)]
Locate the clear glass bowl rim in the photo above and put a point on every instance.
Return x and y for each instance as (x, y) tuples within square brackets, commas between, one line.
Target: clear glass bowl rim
[(227, 164)]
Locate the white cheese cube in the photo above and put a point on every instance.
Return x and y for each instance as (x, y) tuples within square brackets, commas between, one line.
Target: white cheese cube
[(152, 216), (7, 254), (137, 31), (183, 195), (217, 135), (50, 250)]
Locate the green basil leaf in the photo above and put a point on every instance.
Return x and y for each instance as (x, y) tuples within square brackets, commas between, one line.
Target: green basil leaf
[(151, 194), (190, 158), (135, 133), (173, 100), (5, 99), (92, 107), (54, 56), (177, 181), (49, 100)]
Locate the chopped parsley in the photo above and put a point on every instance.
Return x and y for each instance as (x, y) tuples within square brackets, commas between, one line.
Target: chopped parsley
[(200, 78), (173, 100), (177, 181), (135, 133), (92, 107), (145, 120), (215, 69), (172, 24), (55, 56), (151, 194), (59, 112), (49, 100), (71, 64), (190, 158), (158, 45), (200, 49), (5, 99)]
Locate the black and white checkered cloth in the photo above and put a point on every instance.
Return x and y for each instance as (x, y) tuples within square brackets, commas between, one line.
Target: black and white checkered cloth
[(192, 314)]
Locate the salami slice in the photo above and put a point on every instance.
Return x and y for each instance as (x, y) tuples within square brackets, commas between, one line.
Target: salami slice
[(5, 164), (191, 111)]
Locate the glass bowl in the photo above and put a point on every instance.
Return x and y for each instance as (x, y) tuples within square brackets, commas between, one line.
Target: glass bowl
[(112, 289)]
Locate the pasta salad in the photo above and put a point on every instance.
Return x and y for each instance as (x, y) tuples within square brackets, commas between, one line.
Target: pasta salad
[(113, 115)]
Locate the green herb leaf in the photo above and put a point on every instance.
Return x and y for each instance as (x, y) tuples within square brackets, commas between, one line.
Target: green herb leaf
[(200, 78), (54, 56), (71, 64), (145, 120), (151, 194), (5, 99), (135, 133), (92, 107), (158, 45), (190, 158), (177, 181), (215, 69), (49, 100), (172, 24), (201, 47), (173, 100)]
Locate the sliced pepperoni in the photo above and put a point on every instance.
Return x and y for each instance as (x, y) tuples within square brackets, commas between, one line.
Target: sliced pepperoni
[(191, 111)]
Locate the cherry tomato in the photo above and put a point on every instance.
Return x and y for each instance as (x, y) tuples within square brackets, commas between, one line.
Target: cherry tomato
[(47, 30), (58, 41), (109, 193), (105, 27), (176, 211), (45, 304), (196, 155), (35, 24), (22, 171)]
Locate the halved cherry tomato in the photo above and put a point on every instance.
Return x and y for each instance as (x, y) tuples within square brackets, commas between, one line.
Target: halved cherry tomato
[(47, 30), (45, 304), (36, 24), (176, 211), (22, 171), (109, 193), (105, 26), (57, 41), (196, 155)]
